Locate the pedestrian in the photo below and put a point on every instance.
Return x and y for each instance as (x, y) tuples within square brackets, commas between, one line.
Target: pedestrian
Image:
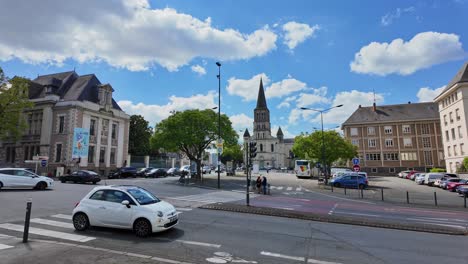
[(259, 184), (264, 185)]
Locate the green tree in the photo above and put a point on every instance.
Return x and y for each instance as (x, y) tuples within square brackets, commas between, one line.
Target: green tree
[(13, 100), (465, 163), (139, 136), (336, 147), (232, 153), (191, 132)]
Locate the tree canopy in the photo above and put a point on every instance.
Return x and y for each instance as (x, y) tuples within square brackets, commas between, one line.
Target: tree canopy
[(13, 100), (232, 153), (336, 147), (140, 134), (191, 132)]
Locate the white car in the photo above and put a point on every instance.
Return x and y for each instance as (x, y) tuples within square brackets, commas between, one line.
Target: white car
[(21, 178), (431, 178), (126, 207)]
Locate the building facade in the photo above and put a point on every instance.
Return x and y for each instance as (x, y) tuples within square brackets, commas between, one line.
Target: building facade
[(393, 138), (272, 151), (453, 109), (63, 102)]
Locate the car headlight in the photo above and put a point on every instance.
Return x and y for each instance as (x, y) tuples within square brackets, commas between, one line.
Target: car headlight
[(160, 214)]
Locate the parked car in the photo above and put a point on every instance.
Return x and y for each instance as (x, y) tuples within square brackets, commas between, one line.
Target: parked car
[(451, 186), (142, 172), (411, 173), (81, 176), (206, 169), (446, 177), (158, 172), (430, 178), (462, 190), (126, 207), (173, 172), (444, 184), (123, 172), (402, 174), (414, 175), (22, 178), (350, 181), (420, 178)]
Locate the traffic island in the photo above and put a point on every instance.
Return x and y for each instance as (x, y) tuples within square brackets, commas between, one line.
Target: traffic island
[(360, 221)]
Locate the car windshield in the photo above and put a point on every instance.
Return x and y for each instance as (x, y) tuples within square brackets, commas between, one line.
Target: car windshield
[(143, 196)]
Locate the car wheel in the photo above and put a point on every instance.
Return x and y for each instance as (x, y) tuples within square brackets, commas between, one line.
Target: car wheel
[(142, 227), (1, 185), (362, 186), (80, 221), (41, 186), (337, 184)]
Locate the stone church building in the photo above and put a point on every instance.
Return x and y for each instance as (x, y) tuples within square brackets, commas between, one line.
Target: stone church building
[(273, 152)]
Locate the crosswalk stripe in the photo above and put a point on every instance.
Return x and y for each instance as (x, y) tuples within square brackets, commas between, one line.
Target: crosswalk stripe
[(2, 246), (279, 188), (289, 189), (63, 216), (52, 223), (298, 189), (49, 233)]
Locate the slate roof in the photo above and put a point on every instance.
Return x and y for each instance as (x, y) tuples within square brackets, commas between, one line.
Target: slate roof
[(461, 76), (280, 132), (261, 100), (246, 133), (69, 87), (289, 140), (393, 113)]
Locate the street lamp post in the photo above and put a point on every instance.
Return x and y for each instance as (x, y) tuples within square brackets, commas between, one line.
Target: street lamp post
[(323, 137), (219, 121)]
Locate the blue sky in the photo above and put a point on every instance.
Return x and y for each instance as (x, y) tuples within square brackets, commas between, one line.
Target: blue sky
[(160, 55)]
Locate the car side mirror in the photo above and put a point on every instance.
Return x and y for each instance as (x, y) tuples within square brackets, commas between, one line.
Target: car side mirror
[(126, 203)]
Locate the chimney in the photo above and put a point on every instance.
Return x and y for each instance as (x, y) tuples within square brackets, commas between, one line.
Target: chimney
[(359, 106), (374, 107)]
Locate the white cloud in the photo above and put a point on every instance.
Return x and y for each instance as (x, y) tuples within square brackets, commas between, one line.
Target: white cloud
[(426, 94), (247, 89), (404, 58), (287, 102), (296, 33), (389, 17), (198, 69), (316, 97), (284, 87), (240, 122), (286, 133), (155, 113), (124, 34)]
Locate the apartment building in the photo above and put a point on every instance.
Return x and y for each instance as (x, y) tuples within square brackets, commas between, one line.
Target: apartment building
[(392, 138), (453, 110), (63, 102)]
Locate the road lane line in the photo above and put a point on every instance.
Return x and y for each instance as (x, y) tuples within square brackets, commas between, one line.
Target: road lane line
[(298, 189), (199, 243), (63, 216), (279, 188), (289, 189), (316, 261), (2, 246), (333, 209), (371, 215), (5, 236), (52, 223), (48, 233), (276, 255)]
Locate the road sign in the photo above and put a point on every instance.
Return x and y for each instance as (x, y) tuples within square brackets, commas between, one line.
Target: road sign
[(355, 161), (317, 165), (220, 150), (43, 163), (357, 168)]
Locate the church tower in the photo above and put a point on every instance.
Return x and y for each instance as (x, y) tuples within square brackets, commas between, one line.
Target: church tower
[(262, 124)]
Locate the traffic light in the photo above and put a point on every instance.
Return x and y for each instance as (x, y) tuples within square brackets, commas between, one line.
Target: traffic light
[(253, 149)]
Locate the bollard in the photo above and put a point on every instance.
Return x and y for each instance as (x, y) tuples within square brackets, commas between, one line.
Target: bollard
[(332, 187), (464, 198), (435, 198), (362, 193), (407, 197), (344, 190), (381, 192), (268, 186), (26, 220)]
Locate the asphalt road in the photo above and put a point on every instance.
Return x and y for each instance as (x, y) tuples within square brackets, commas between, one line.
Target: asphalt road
[(205, 236)]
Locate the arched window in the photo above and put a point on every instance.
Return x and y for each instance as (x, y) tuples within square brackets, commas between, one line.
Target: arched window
[(261, 147)]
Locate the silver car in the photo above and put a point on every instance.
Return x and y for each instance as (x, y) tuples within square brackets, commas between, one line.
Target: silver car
[(420, 178)]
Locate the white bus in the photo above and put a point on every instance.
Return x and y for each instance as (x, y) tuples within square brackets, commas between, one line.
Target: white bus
[(302, 168)]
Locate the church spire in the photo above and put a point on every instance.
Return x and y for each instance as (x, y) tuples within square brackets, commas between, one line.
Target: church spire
[(261, 101)]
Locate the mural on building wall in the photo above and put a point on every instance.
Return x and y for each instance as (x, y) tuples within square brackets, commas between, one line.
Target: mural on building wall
[(80, 143)]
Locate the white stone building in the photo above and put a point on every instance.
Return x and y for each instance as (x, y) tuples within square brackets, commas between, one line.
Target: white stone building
[(272, 151), (453, 109)]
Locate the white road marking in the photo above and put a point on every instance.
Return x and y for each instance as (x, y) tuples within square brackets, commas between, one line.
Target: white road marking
[(5, 236), (276, 255), (52, 223), (316, 261), (2, 246), (199, 243), (49, 233), (371, 215), (279, 188), (183, 209), (114, 252), (351, 200), (289, 189), (63, 216), (333, 209), (298, 189)]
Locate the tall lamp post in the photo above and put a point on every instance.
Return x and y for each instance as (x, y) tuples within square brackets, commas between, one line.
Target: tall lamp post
[(323, 137), (219, 121)]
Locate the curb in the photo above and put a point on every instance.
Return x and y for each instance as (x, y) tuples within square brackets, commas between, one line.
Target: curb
[(427, 228)]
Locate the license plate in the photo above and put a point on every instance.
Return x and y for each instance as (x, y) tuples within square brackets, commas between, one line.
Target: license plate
[(173, 218)]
